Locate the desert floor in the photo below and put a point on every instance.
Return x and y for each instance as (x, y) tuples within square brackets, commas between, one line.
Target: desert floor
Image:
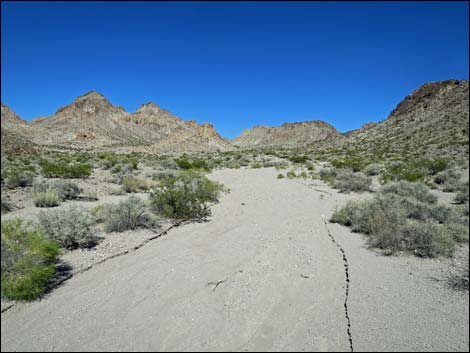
[(265, 273)]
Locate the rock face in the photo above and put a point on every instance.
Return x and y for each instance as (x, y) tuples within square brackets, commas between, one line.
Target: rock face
[(287, 135), (91, 121), (430, 122), (15, 133)]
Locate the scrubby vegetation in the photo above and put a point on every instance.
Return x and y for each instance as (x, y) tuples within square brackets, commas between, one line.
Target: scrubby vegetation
[(406, 217), (347, 181), (185, 196), (62, 169), (66, 190), (48, 198), (71, 228), (28, 261), (129, 214)]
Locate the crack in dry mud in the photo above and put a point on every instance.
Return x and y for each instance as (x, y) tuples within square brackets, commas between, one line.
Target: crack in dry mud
[(346, 271)]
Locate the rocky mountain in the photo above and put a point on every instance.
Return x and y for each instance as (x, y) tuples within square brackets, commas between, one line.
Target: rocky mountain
[(91, 121), (287, 135), (15, 133), (433, 121)]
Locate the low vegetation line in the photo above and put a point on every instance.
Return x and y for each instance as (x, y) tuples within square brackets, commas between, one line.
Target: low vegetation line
[(346, 271)]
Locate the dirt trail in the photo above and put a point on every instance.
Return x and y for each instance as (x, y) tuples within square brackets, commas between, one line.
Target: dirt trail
[(263, 274)]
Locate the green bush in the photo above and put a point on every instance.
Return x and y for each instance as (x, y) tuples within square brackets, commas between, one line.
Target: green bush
[(280, 176), (291, 174), (256, 165), (49, 198), (71, 228), (349, 181), (184, 196), (129, 214), (355, 164), (61, 169), (298, 159), (27, 262)]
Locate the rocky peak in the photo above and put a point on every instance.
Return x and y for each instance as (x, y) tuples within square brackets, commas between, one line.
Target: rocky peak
[(90, 103), (10, 117), (429, 92), (149, 107)]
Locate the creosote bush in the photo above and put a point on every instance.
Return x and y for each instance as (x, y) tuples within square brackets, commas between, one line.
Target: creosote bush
[(27, 262), (184, 196), (61, 169), (129, 214), (134, 185), (71, 228)]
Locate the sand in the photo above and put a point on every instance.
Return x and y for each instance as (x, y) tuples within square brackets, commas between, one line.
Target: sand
[(263, 274)]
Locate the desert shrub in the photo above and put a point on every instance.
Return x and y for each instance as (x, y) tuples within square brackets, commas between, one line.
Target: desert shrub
[(6, 207), (448, 176), (134, 185), (406, 216), (66, 190), (303, 175), (328, 174), (27, 261), (355, 164), (49, 198), (463, 193), (310, 166), (117, 192), (184, 196), (129, 214), (291, 174), (349, 181), (256, 165), (298, 159), (233, 165), (418, 191), (61, 169), (19, 179), (280, 176), (71, 228), (372, 169)]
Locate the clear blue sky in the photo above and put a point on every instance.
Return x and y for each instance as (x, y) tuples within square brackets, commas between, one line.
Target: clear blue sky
[(234, 64)]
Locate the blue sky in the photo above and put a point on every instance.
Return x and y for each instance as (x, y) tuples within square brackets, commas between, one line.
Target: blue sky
[(234, 64)]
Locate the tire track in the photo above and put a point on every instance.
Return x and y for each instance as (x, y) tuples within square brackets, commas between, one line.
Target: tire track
[(346, 271)]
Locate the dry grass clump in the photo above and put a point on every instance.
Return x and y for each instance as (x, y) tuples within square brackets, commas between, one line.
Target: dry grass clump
[(49, 198)]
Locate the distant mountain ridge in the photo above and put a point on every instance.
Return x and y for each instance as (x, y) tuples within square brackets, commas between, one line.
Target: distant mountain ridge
[(287, 135), (92, 121), (433, 120)]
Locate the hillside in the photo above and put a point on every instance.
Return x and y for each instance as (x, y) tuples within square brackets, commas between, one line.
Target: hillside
[(430, 122)]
